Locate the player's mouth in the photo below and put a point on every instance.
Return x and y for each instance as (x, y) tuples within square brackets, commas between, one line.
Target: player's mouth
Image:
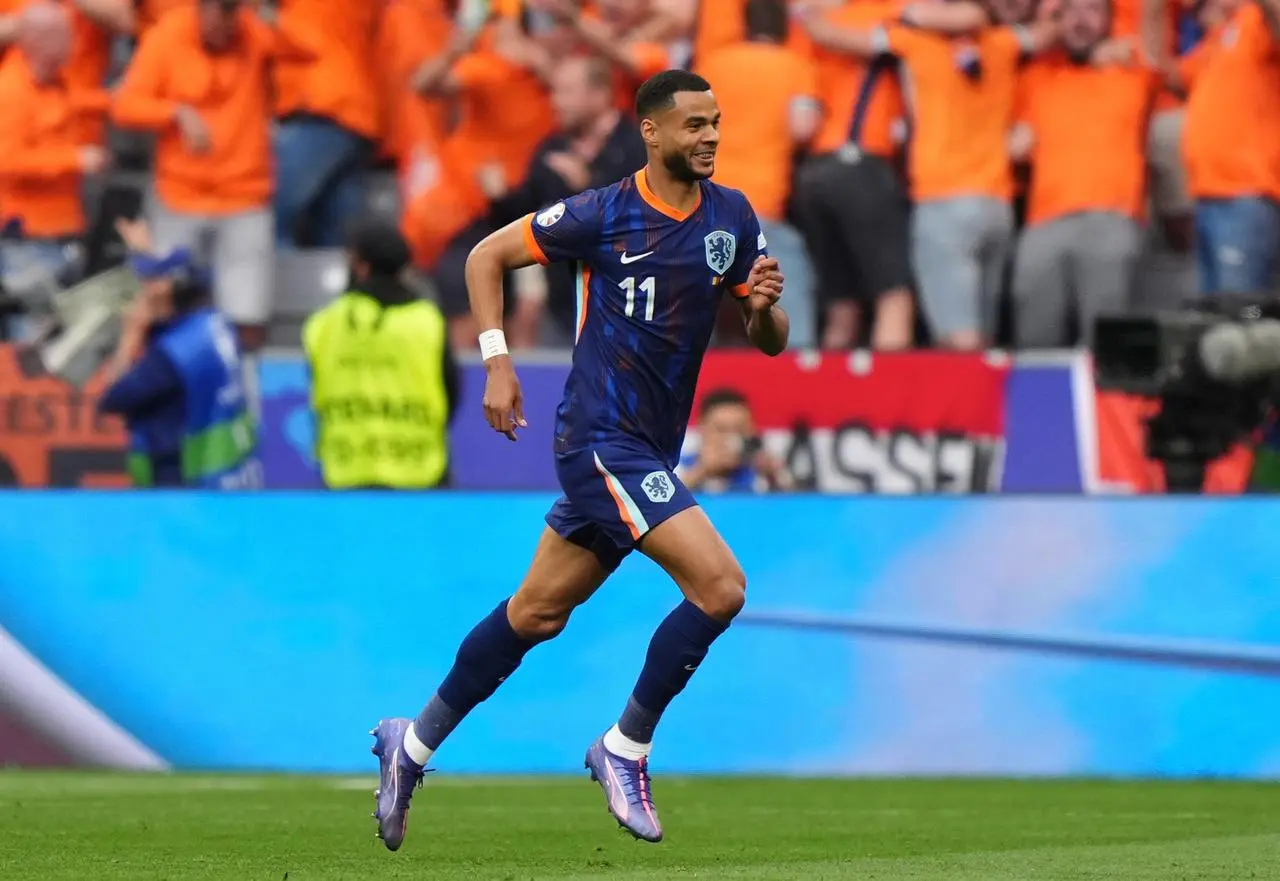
[(706, 157)]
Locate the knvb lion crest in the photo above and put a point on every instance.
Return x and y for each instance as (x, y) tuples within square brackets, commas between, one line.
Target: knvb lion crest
[(721, 246), (657, 486)]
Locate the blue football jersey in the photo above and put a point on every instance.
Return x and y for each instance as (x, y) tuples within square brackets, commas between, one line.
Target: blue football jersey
[(650, 283)]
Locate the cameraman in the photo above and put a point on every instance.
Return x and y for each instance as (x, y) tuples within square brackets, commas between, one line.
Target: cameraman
[(730, 457), (176, 378)]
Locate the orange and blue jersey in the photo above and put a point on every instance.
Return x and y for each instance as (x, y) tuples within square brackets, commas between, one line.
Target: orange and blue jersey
[(651, 279)]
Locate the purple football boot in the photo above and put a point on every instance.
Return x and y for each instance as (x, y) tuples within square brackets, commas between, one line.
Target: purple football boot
[(400, 776), (627, 791)]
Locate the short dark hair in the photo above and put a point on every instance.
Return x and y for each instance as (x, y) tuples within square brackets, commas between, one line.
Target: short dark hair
[(766, 18), (720, 397), (379, 243), (658, 92)]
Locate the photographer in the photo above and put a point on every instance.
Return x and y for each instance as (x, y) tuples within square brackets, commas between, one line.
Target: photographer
[(730, 457), (176, 378)]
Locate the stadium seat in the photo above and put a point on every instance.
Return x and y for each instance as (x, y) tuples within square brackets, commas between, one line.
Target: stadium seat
[(305, 281)]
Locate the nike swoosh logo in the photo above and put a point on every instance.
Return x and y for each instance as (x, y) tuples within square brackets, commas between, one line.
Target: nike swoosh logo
[(632, 258)]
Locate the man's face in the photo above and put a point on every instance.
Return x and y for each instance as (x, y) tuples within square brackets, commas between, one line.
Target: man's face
[(624, 13), (688, 135), (576, 103), (1084, 24), (45, 39), (727, 427), (219, 23), (1012, 11)]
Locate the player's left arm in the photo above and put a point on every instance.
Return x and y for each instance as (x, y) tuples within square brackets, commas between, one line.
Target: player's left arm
[(767, 325), (756, 280)]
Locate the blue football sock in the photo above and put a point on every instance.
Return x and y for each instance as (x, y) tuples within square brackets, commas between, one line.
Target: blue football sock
[(677, 648), (490, 653)]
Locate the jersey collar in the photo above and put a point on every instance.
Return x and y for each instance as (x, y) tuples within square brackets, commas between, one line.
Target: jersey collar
[(651, 199)]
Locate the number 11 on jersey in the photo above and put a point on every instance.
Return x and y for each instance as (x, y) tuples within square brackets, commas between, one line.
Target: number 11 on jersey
[(647, 288)]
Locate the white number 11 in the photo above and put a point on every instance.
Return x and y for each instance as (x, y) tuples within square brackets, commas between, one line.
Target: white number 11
[(647, 287)]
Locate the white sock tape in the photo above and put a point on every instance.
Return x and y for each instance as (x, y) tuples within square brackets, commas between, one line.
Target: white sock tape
[(492, 344)]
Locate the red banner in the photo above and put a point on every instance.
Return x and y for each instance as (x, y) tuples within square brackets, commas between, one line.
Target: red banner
[(887, 423), (51, 434), (1122, 450)]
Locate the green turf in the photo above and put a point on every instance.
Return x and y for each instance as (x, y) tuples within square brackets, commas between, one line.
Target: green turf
[(102, 827)]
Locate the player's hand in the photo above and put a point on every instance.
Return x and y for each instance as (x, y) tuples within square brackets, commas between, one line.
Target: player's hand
[(764, 284), (503, 400)]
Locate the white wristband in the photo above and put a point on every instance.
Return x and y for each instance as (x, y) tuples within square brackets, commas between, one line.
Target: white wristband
[(492, 344)]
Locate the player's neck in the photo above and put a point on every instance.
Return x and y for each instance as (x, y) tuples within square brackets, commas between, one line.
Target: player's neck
[(681, 195)]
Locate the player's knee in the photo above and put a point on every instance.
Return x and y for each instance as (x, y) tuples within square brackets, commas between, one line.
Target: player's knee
[(535, 619), (725, 594)]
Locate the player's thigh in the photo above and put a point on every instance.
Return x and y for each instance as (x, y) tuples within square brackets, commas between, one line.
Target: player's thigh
[(690, 549), (563, 575), (244, 266)]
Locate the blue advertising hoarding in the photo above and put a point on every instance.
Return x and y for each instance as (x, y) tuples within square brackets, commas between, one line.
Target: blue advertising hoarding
[(980, 635), (1047, 403)]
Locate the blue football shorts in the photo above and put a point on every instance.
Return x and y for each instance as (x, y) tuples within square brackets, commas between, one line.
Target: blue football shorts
[(613, 496)]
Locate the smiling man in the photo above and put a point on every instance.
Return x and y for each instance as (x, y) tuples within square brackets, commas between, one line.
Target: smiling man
[(656, 253)]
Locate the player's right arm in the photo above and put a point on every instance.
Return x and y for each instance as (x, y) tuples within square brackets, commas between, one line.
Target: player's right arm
[(567, 230), (488, 261)]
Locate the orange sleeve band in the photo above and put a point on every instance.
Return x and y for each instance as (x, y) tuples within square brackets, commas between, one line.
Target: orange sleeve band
[(535, 250), (740, 290)]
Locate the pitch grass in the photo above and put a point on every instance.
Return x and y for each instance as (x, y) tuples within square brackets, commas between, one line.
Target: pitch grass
[(102, 827)]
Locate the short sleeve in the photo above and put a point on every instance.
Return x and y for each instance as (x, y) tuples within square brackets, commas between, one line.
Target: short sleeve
[(751, 244), (568, 230)]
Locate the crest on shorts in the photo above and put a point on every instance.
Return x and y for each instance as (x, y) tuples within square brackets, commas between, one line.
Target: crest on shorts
[(551, 216), (657, 486), (721, 246)]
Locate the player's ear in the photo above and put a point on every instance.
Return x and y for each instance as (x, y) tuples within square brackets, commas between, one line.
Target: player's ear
[(649, 131)]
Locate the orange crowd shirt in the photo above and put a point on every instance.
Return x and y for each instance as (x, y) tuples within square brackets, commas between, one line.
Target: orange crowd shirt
[(1231, 133), (337, 81), (649, 59), (503, 114), (151, 11), (849, 85), (409, 33), (87, 66), (1090, 126), (959, 124), (756, 85), (230, 91), (721, 23), (40, 141)]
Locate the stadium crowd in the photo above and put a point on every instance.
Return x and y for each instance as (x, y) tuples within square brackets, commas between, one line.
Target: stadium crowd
[(957, 173)]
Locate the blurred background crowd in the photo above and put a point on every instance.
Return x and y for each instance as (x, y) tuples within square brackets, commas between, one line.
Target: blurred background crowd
[(929, 173)]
